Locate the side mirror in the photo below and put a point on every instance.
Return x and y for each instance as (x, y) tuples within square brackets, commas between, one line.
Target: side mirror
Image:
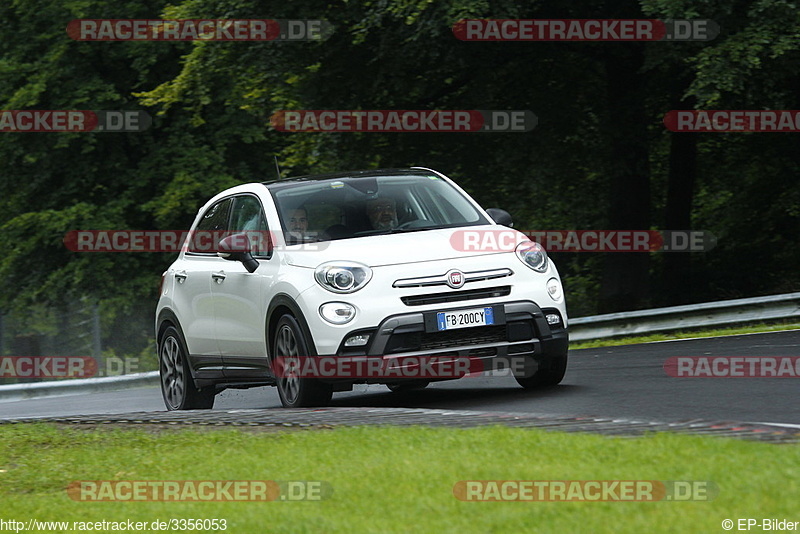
[(236, 247), (501, 217)]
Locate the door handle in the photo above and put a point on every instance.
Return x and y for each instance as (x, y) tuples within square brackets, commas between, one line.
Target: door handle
[(219, 276), (180, 276)]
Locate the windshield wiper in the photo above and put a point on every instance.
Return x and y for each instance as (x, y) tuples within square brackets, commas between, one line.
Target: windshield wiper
[(400, 230)]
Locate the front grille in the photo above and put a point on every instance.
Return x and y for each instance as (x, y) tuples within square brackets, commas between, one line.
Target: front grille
[(463, 336), (415, 341), (456, 296)]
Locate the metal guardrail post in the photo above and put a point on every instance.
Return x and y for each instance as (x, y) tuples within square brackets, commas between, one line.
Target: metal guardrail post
[(97, 347)]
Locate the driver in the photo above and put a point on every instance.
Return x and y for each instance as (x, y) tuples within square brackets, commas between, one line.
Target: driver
[(382, 213)]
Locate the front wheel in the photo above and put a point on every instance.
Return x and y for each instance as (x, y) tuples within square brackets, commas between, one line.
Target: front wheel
[(549, 374), (289, 348), (177, 384)]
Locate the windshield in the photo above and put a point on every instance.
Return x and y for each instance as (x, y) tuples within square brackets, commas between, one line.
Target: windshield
[(346, 208)]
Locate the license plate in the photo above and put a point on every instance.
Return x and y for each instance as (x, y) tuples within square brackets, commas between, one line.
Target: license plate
[(464, 318)]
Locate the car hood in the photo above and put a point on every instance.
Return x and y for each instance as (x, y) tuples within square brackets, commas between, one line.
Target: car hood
[(408, 247)]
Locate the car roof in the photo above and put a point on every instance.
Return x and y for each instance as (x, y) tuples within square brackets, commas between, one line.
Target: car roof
[(350, 174)]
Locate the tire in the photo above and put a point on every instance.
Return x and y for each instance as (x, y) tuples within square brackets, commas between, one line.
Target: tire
[(296, 392), (402, 387), (550, 375), (177, 384)]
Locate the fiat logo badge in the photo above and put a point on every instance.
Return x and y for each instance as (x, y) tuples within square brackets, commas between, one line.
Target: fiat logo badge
[(455, 278)]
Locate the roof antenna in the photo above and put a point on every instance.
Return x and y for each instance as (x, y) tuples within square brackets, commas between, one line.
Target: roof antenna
[(277, 168)]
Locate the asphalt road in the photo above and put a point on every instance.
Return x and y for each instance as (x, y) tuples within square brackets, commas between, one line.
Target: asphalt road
[(625, 382)]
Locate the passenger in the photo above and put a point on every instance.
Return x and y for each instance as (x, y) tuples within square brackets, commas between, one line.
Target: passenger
[(297, 224)]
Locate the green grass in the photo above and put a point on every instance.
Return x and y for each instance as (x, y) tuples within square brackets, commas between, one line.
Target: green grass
[(733, 331), (392, 479)]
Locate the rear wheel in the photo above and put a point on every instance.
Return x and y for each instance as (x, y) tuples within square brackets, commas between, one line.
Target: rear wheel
[(550, 373), (177, 384), (289, 347)]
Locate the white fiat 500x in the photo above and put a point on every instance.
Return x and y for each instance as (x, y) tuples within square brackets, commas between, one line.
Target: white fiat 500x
[(317, 283)]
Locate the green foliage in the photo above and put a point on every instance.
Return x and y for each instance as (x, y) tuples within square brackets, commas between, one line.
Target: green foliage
[(212, 101)]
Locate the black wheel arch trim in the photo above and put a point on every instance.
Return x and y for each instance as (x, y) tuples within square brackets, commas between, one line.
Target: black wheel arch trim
[(167, 316), (284, 300)]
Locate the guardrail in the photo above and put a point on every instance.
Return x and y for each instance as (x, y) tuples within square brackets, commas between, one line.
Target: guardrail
[(720, 313), (35, 390)]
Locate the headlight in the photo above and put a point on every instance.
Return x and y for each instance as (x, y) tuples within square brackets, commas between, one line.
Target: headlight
[(342, 276), (533, 255)]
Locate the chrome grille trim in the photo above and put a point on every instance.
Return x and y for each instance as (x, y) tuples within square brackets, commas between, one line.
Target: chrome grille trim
[(441, 280)]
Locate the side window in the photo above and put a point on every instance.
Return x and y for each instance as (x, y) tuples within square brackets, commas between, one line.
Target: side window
[(212, 225), (248, 217)]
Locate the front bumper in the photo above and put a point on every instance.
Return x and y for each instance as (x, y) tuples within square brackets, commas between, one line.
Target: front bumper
[(521, 340)]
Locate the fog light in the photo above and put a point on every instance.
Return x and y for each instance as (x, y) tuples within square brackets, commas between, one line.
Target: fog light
[(553, 318), (554, 289), (357, 341), (337, 312)]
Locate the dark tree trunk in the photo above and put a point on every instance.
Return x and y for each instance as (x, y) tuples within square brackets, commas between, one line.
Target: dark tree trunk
[(678, 215), (27, 345), (625, 280)]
